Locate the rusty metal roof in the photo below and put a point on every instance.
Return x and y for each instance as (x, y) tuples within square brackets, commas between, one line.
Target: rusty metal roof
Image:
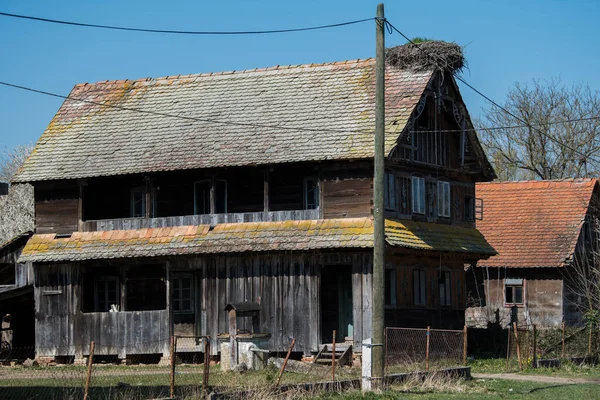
[(533, 223), (305, 113), (247, 237)]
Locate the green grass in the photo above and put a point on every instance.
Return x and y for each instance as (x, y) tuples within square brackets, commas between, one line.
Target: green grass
[(475, 390), (567, 369)]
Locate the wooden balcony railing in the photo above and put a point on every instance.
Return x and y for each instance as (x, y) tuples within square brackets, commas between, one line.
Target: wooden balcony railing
[(208, 219)]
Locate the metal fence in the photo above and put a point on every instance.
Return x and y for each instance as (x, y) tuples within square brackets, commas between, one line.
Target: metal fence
[(185, 370), (408, 349), (546, 346)]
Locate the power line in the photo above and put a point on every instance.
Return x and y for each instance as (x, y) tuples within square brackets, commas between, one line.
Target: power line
[(496, 104), (167, 31)]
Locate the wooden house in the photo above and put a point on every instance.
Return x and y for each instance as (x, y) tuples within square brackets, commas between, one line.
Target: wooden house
[(160, 201), (538, 229)]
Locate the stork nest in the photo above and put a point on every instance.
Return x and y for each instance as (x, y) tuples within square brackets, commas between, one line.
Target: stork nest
[(428, 55)]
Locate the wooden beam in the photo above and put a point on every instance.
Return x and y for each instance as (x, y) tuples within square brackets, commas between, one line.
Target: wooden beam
[(266, 182), (213, 205)]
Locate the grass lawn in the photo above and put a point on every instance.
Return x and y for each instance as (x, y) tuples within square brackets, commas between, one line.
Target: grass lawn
[(568, 369), (481, 389)]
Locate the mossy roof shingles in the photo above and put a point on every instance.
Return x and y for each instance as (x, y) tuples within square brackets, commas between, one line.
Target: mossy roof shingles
[(304, 113), (251, 237)]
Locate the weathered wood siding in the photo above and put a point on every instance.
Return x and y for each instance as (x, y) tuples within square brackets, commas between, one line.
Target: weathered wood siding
[(543, 297), (23, 271), (286, 285), (347, 198), (57, 207), (63, 329)]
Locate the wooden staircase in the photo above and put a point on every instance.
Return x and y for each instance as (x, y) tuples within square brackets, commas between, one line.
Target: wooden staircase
[(343, 354)]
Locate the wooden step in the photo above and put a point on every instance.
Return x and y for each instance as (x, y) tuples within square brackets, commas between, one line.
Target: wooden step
[(343, 354)]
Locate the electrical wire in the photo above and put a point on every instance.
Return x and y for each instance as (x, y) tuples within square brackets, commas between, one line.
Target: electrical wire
[(496, 104), (178, 32)]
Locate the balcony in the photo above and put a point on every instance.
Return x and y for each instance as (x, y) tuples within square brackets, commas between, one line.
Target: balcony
[(206, 219)]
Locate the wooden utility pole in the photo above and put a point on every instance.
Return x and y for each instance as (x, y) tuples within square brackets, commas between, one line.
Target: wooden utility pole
[(378, 193)]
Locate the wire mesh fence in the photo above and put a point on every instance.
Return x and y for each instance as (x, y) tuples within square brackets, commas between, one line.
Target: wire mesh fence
[(408, 349), (184, 368), (546, 346)]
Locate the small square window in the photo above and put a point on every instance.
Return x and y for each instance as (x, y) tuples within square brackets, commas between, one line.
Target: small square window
[(183, 294), (513, 292)]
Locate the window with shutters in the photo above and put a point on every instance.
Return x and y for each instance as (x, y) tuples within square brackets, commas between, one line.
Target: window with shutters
[(418, 195), (443, 193), (390, 191)]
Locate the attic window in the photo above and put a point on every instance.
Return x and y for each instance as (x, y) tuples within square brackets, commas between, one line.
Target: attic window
[(311, 193)]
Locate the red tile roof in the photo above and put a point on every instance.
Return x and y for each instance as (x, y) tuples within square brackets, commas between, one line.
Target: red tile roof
[(533, 223)]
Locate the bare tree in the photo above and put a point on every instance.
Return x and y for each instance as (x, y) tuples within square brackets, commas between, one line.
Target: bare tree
[(17, 214), (11, 160), (544, 149)]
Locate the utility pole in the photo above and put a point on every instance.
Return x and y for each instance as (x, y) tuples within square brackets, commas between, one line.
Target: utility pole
[(378, 193)]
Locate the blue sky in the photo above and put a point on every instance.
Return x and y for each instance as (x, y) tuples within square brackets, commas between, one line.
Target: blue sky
[(507, 41)]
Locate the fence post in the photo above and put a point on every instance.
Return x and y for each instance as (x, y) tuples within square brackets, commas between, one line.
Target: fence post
[(518, 346), (534, 365), (287, 357), (333, 357), (88, 376), (206, 370), (508, 348), (563, 341), (173, 344), (427, 350), (465, 345)]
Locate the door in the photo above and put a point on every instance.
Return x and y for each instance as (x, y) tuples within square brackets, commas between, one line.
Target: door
[(336, 303)]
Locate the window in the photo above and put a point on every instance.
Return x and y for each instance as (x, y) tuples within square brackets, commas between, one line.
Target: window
[(390, 191), (418, 195), (202, 197), (469, 208), (443, 189), (183, 294), (106, 293), (311, 194), (419, 284), (513, 291), (444, 285), (390, 286), (138, 203)]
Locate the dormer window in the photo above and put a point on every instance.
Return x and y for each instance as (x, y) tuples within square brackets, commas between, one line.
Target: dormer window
[(418, 195), (443, 191)]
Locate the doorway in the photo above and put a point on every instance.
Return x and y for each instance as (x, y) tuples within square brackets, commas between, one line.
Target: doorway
[(336, 303)]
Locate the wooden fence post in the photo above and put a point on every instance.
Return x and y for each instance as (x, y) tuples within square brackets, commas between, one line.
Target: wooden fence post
[(427, 349), (287, 357), (562, 355), (88, 376), (465, 345), (508, 348), (333, 357), (534, 358), (206, 370), (518, 346), (172, 386)]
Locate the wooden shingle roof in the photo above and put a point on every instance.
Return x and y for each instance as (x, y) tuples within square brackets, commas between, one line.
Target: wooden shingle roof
[(533, 223), (251, 237), (264, 116)]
